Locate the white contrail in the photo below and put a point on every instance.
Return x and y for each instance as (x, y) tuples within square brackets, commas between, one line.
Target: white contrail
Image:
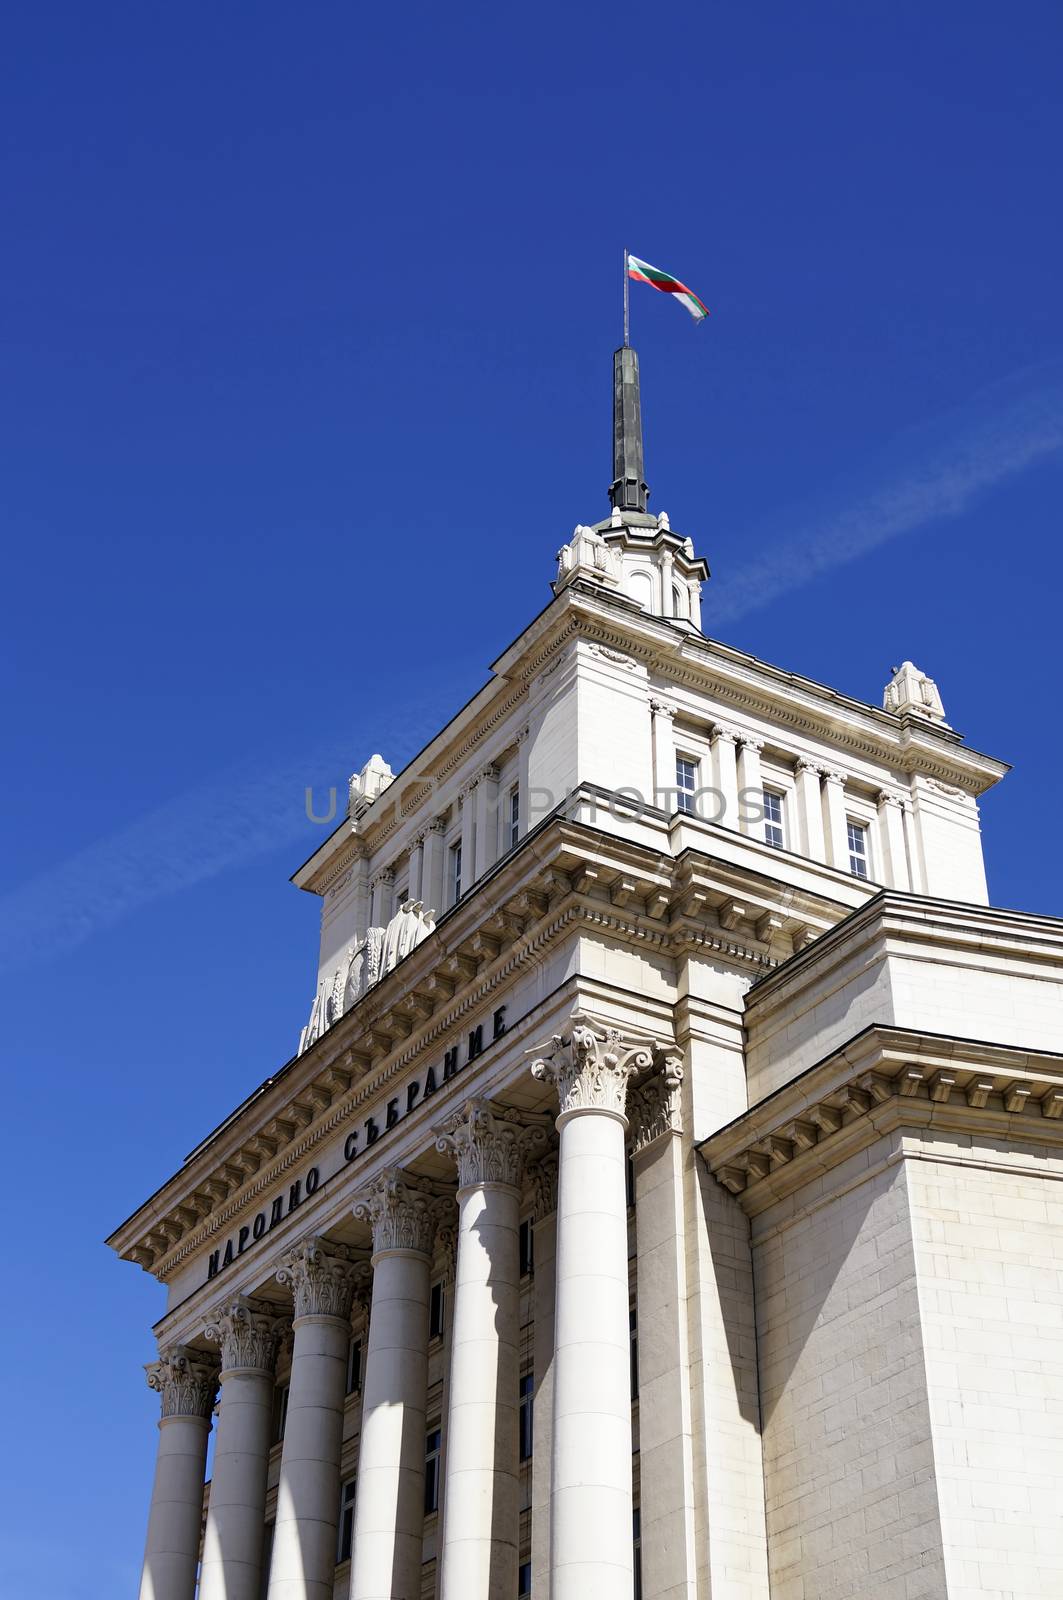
[(932, 473), (222, 823)]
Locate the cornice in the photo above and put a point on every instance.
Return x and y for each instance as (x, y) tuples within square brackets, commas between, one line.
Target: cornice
[(882, 1080)]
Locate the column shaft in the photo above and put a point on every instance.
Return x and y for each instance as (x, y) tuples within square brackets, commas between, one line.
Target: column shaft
[(750, 787), (835, 821), (726, 775), (545, 1252), (187, 1383), (810, 811)]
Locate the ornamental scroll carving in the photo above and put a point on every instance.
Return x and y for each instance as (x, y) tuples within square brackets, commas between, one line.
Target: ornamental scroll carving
[(654, 1104), (590, 1067), (186, 1380), (249, 1333), (489, 1143), (401, 1215), (542, 1181), (322, 1278)]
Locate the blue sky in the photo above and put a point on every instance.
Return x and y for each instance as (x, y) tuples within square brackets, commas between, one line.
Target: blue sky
[(306, 325)]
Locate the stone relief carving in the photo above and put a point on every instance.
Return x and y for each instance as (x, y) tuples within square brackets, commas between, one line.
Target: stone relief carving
[(186, 1380), (364, 963), (402, 1215), (654, 1104), (911, 691), (542, 1181), (488, 1143), (249, 1333), (587, 555), (590, 1067), (322, 1278)]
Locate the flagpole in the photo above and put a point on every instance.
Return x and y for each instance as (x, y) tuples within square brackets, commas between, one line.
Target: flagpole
[(627, 314)]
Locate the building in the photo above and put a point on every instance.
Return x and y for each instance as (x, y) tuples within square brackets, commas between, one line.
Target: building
[(664, 1198)]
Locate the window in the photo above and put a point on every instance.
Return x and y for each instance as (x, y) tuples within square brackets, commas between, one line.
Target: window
[(686, 782), (527, 1395), (354, 1367), (633, 1325), (514, 815), (773, 831), (858, 857), (524, 1581), (636, 1543), (432, 1450), (526, 1248), (345, 1531), (455, 872), (435, 1311), (280, 1412)]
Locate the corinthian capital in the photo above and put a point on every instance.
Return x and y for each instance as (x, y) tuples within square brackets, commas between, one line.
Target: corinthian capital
[(187, 1381), (401, 1215), (590, 1067), (653, 1107), (322, 1278), (249, 1333), (488, 1143)]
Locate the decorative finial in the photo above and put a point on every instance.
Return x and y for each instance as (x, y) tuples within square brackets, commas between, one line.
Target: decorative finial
[(629, 491)]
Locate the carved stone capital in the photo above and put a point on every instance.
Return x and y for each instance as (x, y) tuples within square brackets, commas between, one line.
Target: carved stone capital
[(805, 764), (749, 741), (322, 1278), (832, 775), (522, 734), (590, 1067), (654, 1105), (386, 876), (887, 797), (542, 1179), (488, 1143), (664, 708), (725, 734), (489, 774), (186, 1380), (249, 1333), (401, 1215)]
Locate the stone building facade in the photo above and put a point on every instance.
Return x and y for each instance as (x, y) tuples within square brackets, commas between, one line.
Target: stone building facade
[(664, 1198)]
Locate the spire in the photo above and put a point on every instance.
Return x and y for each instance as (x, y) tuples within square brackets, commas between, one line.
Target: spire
[(629, 491)]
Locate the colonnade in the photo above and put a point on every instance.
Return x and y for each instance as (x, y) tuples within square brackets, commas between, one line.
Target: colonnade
[(590, 1486)]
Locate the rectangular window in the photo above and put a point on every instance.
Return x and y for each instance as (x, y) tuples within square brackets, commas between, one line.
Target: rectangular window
[(633, 1325), (354, 1367), (686, 782), (435, 1311), (345, 1530), (773, 827), (514, 815), (432, 1447), (527, 1395), (524, 1581), (858, 857), (455, 873), (280, 1412), (636, 1543), (526, 1248)]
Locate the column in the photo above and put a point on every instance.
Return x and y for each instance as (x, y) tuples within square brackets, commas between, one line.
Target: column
[(543, 1176), (486, 820), (360, 894), (667, 568), (322, 1278), (591, 1498), (417, 868), (891, 841), (187, 1382), (810, 810), (750, 785), (482, 1503), (835, 822), (432, 890), (468, 836), (380, 903), (664, 785), (724, 760), (523, 791), (248, 1333), (389, 1501), (666, 1430)]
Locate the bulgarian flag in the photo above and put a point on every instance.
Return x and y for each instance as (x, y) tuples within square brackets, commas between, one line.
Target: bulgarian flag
[(642, 272)]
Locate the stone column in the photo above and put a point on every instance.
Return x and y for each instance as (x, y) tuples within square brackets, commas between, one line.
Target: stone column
[(724, 760), (810, 810), (486, 820), (750, 785), (432, 888), (380, 901), (891, 841), (468, 835), (389, 1500), (837, 828), (187, 1381), (248, 1332), (482, 1493), (664, 784), (417, 868), (543, 1175), (666, 1429), (591, 1498), (322, 1278), (523, 790)]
